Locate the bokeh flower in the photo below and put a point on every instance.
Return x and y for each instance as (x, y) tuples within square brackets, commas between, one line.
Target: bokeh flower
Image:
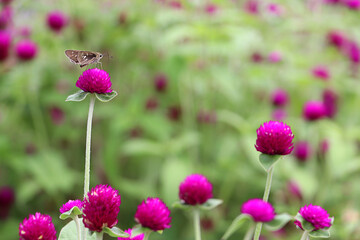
[(151, 104), (37, 227), (279, 114), (101, 207), (352, 4), (70, 204), (26, 49), (330, 100), (321, 72), (56, 20), (313, 110), (274, 138), (259, 210), (211, 9), (275, 57), (195, 189), (337, 38), (154, 214), (279, 97), (137, 237), (315, 215), (302, 151), (7, 200), (252, 7), (6, 17), (294, 190), (57, 115), (94, 80), (174, 113), (206, 117), (160, 82), (5, 42)]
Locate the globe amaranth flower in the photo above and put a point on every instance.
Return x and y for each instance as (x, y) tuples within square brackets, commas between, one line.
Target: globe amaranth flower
[(137, 237), (70, 204), (313, 110), (5, 42), (294, 189), (279, 97), (330, 100), (101, 207), (7, 200), (275, 57), (56, 21), (154, 214), (274, 138), (259, 210), (302, 151), (160, 82), (337, 39), (352, 4), (321, 72), (94, 80), (315, 215), (26, 49), (195, 189), (37, 227)]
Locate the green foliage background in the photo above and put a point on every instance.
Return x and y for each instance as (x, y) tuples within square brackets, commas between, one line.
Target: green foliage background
[(206, 59)]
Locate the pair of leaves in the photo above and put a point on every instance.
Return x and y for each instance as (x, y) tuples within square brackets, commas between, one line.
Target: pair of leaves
[(75, 211), (208, 205), (307, 226), (267, 161), (279, 221), (81, 95)]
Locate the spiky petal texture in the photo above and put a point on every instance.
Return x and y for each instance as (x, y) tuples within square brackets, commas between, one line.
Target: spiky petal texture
[(137, 237), (315, 215), (154, 214), (94, 80), (274, 138), (195, 189), (101, 207), (37, 227), (70, 204), (259, 210)]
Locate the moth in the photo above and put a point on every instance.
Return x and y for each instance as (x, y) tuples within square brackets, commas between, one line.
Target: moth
[(83, 58)]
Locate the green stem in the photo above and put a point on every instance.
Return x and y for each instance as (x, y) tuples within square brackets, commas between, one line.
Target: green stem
[(305, 235), (147, 234), (250, 232), (76, 220), (265, 198), (197, 224), (99, 235)]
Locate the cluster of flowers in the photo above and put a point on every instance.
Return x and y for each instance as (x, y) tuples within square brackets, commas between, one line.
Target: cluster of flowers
[(351, 4)]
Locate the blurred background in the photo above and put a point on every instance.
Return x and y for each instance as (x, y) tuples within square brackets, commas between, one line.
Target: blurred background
[(195, 79)]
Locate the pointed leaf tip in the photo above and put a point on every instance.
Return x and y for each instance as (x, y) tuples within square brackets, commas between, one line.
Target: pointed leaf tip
[(106, 97), (267, 161), (116, 232), (77, 97)]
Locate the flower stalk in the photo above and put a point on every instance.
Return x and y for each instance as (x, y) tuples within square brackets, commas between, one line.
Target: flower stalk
[(305, 235), (196, 212)]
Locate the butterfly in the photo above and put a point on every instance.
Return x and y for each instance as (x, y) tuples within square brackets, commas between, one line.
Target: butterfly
[(83, 58)]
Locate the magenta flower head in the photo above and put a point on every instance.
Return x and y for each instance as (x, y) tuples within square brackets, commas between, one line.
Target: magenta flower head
[(7, 200), (160, 82), (313, 110), (94, 80), (56, 21), (330, 100), (352, 4), (37, 227), (252, 7), (279, 98), (302, 151), (321, 72), (6, 16), (211, 9), (274, 138), (317, 216), (195, 189), (101, 207), (275, 57), (259, 210), (5, 42), (26, 49), (337, 39), (137, 237), (154, 214), (70, 204)]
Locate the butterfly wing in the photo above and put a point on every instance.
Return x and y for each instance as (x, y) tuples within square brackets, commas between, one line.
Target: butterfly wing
[(72, 56), (85, 58)]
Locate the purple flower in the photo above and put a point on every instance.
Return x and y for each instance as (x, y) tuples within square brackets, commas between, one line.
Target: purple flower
[(279, 114), (294, 189), (275, 57), (337, 39), (6, 15), (26, 49), (57, 115), (206, 117), (7, 199), (313, 110), (275, 9), (330, 99), (160, 82), (256, 57), (37, 227), (151, 104), (70, 204), (5, 41), (154, 214), (259, 210), (195, 189), (279, 98), (56, 21), (302, 150), (352, 4), (101, 207), (211, 9), (315, 215), (174, 113), (5, 2), (252, 7), (137, 237), (352, 50), (274, 138), (94, 80), (321, 72)]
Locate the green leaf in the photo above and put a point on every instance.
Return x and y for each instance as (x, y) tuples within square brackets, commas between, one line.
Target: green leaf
[(75, 211), (210, 204), (307, 226), (115, 232), (69, 232), (268, 161), (235, 225), (77, 97), (321, 233), (106, 97), (278, 222), (181, 205)]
